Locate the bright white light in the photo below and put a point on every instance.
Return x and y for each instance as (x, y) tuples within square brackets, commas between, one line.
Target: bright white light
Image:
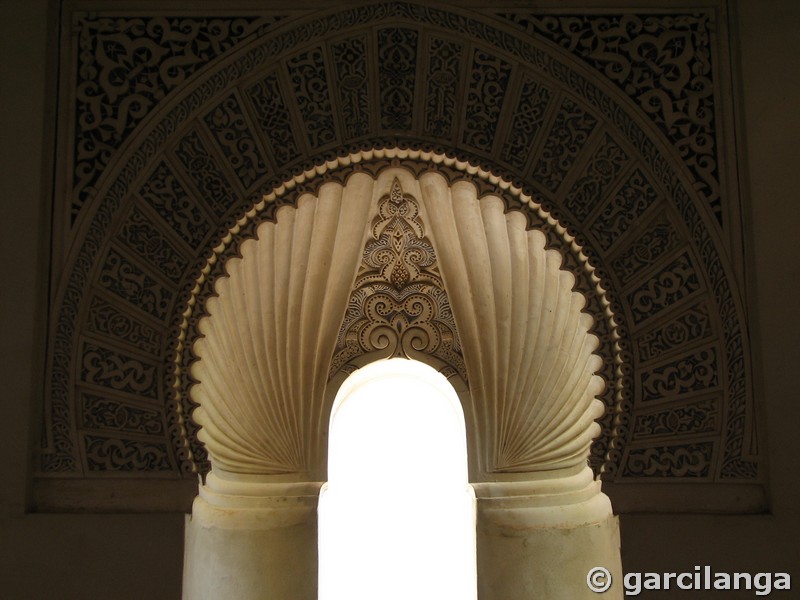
[(397, 516)]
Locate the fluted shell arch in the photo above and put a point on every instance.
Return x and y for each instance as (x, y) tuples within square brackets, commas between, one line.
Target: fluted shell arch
[(470, 283), (232, 105)]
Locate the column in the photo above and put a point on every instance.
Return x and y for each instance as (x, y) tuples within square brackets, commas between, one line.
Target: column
[(251, 538), (540, 539)]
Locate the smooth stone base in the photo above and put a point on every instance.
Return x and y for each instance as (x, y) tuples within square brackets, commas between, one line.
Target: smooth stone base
[(549, 563), (237, 550), (539, 540)]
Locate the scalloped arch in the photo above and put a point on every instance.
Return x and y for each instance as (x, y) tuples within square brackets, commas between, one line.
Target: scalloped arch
[(517, 94), (254, 371)]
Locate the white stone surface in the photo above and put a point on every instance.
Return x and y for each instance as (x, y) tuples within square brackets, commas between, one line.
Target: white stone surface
[(264, 403), (247, 540)]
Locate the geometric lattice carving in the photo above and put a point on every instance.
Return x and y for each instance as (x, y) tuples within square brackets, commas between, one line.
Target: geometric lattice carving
[(698, 417), (692, 373), (397, 56), (690, 460), (661, 61), (127, 65)]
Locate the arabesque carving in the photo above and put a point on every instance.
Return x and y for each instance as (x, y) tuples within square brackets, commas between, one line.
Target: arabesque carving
[(664, 62), (689, 460), (532, 388), (127, 65), (398, 305), (634, 200)]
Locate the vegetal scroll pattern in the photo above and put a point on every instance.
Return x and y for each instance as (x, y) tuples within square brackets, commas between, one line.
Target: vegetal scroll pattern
[(690, 326), (692, 373), (602, 170), (142, 236), (397, 65), (310, 83), (441, 105), (529, 115), (110, 368), (167, 195), (698, 417), (132, 284), (663, 62), (398, 305), (689, 460), (108, 320), (121, 455), (111, 414), (350, 60), (569, 133), (659, 239), (126, 66), (488, 83), (703, 310), (206, 173), (230, 129), (677, 281)]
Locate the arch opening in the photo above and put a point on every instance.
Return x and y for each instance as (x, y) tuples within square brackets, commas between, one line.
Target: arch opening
[(397, 515), (524, 266), (287, 304)]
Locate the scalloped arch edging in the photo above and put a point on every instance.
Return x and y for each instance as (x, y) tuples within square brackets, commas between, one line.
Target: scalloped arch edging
[(372, 162)]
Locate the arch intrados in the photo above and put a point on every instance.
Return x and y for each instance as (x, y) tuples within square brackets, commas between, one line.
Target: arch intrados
[(384, 371), (340, 169), (335, 391)]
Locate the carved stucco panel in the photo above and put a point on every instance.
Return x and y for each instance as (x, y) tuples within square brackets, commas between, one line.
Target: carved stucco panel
[(620, 177)]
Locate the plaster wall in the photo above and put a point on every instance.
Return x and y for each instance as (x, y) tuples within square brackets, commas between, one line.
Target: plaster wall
[(50, 555), (140, 556)]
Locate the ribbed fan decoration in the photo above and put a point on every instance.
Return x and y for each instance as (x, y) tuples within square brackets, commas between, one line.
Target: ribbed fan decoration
[(270, 334), (271, 331), (526, 343)]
